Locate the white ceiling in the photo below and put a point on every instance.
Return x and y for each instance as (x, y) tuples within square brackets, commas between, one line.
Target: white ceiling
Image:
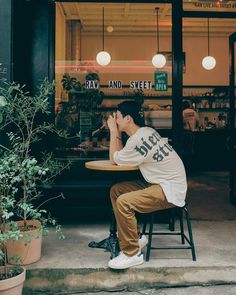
[(135, 18)]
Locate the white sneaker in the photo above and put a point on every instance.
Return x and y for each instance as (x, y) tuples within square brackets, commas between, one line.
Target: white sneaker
[(142, 242), (123, 261)]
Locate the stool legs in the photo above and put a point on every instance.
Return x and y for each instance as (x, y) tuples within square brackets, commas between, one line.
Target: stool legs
[(178, 212), (172, 220), (149, 245), (181, 224), (144, 225), (190, 233)]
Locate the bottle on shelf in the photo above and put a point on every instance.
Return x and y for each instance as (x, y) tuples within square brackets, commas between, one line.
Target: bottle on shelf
[(206, 121), (214, 122), (222, 120)]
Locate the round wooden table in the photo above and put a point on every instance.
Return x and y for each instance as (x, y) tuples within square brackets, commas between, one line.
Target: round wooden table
[(106, 165), (111, 243)]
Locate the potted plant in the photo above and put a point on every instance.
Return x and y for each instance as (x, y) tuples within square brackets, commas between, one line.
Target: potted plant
[(11, 277), (139, 96), (87, 99), (70, 83), (21, 114)]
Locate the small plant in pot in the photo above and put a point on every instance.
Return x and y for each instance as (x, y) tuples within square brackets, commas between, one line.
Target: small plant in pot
[(87, 99), (11, 277), (35, 170), (71, 85), (139, 97)]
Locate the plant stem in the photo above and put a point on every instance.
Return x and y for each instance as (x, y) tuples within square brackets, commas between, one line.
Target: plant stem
[(5, 148), (5, 261), (58, 173), (53, 198), (25, 197)]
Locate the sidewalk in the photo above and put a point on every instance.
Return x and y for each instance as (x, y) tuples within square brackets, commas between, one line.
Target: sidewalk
[(72, 265)]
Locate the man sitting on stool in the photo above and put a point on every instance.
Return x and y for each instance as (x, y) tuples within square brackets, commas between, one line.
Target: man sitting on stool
[(164, 184)]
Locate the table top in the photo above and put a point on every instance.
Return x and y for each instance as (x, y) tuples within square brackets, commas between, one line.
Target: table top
[(106, 165)]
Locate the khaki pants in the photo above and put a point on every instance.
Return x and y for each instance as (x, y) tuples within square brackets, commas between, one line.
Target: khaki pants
[(130, 197)]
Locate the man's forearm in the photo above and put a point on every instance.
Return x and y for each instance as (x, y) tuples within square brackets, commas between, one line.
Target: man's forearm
[(115, 144)]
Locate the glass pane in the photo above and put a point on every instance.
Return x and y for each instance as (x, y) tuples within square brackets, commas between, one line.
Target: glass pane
[(87, 92), (209, 5), (207, 90)]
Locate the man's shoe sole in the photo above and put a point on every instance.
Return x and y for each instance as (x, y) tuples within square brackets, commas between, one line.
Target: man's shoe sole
[(119, 267)]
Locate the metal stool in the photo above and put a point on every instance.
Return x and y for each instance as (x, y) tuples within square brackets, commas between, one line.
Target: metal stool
[(176, 212)]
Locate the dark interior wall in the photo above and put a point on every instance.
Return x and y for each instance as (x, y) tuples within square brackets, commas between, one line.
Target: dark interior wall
[(6, 40), (33, 41), (22, 32), (6, 65), (33, 48), (43, 41)]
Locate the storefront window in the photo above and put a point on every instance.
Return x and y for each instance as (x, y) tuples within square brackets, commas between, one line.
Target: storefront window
[(207, 91), (87, 92)]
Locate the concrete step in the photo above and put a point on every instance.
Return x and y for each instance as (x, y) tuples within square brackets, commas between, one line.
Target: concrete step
[(91, 280)]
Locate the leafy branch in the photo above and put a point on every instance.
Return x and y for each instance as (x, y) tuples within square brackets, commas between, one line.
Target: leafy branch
[(22, 115)]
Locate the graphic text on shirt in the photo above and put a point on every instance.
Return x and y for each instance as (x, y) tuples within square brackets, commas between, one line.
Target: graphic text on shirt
[(153, 140)]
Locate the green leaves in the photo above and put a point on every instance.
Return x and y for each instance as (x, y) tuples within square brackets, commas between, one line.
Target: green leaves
[(70, 83), (3, 102), (88, 98), (23, 175)]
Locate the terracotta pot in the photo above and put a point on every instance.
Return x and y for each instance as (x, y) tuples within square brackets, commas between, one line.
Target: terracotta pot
[(28, 249), (12, 286)]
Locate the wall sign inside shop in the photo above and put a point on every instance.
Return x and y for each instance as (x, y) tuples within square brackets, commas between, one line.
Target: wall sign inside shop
[(91, 84), (116, 84), (214, 5), (140, 85), (161, 81)]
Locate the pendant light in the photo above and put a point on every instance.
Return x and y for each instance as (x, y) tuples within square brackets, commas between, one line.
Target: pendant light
[(158, 59), (208, 61), (103, 58)]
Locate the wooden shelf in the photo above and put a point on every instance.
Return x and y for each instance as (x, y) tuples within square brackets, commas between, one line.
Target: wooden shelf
[(205, 97), (130, 97), (213, 109)]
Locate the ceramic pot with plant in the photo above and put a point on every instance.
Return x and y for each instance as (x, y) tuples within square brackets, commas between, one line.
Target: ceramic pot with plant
[(11, 277), (35, 170)]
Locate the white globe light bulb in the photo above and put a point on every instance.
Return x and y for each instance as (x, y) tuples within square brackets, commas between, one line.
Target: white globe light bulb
[(103, 58), (158, 60), (208, 62), (110, 29)]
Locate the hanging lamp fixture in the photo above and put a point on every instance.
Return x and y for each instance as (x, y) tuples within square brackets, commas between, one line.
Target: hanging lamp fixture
[(158, 59), (103, 58), (208, 61)]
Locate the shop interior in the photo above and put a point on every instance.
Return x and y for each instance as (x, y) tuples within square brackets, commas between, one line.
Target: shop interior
[(132, 33)]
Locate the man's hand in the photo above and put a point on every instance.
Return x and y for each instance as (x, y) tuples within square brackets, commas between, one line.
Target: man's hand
[(111, 122), (115, 137)]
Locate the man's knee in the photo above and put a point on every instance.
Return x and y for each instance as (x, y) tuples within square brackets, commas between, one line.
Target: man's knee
[(122, 202), (117, 190)]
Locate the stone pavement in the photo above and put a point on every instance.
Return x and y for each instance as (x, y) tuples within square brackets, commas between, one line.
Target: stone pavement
[(71, 266)]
